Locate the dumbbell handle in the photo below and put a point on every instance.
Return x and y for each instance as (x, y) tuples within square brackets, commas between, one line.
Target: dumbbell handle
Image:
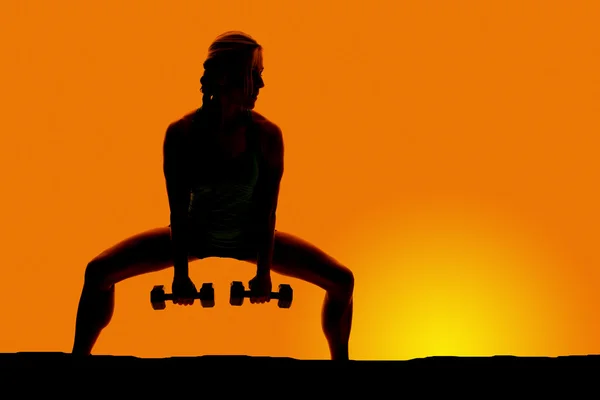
[(249, 293)]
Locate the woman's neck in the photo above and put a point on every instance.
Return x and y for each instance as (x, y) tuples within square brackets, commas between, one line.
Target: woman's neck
[(222, 117)]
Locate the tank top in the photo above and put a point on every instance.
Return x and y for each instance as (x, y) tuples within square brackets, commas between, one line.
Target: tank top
[(222, 195)]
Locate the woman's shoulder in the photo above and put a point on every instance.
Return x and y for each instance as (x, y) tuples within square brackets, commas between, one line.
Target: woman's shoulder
[(267, 128), (180, 127), (270, 138), (184, 122)]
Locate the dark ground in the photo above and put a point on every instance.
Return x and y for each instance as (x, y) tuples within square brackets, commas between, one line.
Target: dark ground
[(64, 360), (510, 375)]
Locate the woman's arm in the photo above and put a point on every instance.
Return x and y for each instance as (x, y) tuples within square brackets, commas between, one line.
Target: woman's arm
[(178, 192), (269, 194)]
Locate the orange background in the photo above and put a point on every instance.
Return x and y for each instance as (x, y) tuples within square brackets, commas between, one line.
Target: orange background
[(445, 153)]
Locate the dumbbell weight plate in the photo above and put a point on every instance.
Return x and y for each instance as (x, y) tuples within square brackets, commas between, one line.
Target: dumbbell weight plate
[(236, 294), (207, 295), (286, 296), (157, 298)]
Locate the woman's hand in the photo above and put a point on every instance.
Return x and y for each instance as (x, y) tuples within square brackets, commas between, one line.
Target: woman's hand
[(260, 288), (184, 291)]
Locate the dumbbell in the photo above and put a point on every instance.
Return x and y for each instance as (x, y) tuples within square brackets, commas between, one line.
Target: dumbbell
[(158, 296), (237, 294)]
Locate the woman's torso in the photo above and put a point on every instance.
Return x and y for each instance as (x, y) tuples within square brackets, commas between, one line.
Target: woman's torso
[(223, 172)]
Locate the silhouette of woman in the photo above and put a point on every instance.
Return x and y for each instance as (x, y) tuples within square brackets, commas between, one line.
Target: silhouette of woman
[(223, 164)]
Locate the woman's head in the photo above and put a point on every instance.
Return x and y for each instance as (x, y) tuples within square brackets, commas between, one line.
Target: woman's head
[(232, 70)]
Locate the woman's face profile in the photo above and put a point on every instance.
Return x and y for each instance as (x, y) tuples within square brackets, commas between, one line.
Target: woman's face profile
[(233, 92)]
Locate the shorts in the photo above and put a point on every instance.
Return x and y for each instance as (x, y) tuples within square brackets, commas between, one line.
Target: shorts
[(244, 249), (242, 252)]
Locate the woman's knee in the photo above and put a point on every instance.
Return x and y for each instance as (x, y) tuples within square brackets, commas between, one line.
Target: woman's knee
[(343, 282), (98, 275), (347, 281)]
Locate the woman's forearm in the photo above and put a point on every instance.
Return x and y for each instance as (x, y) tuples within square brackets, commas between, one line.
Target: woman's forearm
[(179, 242), (265, 247)]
